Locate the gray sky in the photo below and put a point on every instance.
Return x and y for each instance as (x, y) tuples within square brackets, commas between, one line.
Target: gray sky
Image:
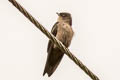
[(96, 42)]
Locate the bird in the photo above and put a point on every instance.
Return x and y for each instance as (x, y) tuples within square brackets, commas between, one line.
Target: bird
[(63, 31)]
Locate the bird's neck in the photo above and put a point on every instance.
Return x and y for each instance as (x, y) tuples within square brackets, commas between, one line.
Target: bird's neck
[(65, 21)]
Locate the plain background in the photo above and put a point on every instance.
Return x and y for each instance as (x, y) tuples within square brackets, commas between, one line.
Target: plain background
[(96, 42)]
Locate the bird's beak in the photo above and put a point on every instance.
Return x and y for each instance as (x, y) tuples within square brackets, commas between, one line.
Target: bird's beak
[(57, 13)]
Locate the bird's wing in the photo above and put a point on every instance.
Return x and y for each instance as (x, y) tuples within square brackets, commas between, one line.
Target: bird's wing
[(54, 32), (49, 50)]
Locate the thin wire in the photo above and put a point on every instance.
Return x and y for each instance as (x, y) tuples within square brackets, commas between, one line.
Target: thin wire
[(54, 40)]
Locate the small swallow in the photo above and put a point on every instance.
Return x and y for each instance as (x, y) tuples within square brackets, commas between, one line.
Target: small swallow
[(63, 31)]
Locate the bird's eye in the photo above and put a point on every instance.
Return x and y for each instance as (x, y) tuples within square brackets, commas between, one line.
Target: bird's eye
[(63, 15)]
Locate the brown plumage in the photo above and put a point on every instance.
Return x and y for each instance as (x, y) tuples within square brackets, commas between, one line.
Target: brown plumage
[(62, 30)]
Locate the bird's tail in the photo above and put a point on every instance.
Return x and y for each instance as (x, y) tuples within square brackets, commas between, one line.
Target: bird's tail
[(51, 66)]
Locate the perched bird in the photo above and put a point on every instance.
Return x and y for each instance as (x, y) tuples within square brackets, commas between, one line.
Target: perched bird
[(62, 30)]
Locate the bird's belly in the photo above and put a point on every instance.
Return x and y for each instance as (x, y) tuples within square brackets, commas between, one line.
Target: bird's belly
[(65, 35)]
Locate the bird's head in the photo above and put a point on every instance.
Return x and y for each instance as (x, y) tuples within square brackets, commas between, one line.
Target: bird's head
[(65, 17)]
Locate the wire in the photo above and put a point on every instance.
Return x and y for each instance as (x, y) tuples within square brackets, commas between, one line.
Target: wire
[(54, 40)]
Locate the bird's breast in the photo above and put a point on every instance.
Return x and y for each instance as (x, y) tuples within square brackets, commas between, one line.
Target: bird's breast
[(65, 34)]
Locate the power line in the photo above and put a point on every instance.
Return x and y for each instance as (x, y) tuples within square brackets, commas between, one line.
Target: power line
[(54, 40)]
